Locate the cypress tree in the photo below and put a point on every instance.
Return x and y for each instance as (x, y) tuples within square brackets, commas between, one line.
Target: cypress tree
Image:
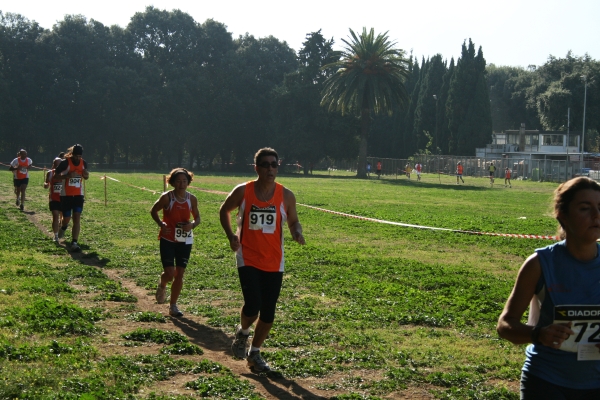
[(409, 147), (425, 112), (468, 85), (443, 131)]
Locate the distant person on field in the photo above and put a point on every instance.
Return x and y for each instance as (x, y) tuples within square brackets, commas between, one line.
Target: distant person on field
[(73, 170), (407, 170), (20, 167), (492, 171), (54, 183), (560, 285), (16, 183), (507, 177), (263, 207), (459, 172), (379, 166), (418, 168), (368, 169), (176, 234)]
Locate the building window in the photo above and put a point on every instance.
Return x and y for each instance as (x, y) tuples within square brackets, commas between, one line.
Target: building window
[(531, 140), (573, 140), (553, 140)]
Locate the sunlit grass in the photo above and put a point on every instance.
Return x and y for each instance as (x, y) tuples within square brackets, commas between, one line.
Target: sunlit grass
[(413, 306)]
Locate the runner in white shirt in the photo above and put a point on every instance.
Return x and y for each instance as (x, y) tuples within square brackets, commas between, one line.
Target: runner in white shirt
[(418, 168)]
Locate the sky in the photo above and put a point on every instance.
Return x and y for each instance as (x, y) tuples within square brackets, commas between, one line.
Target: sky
[(510, 32)]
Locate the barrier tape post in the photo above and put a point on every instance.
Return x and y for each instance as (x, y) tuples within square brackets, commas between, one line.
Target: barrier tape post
[(164, 183), (105, 195)]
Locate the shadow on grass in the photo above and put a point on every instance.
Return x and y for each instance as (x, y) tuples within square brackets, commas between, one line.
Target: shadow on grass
[(429, 185), (216, 340), (390, 180), (294, 391), (204, 336), (91, 259)]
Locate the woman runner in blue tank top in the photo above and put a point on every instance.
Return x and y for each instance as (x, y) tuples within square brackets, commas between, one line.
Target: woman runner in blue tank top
[(561, 283)]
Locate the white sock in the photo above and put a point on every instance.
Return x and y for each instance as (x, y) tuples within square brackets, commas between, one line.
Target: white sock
[(245, 331), (253, 349)]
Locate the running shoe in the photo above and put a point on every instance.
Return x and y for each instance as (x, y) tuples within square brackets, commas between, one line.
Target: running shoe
[(161, 294), (17, 202), (21, 206), (55, 238), (75, 247), (174, 311), (239, 347), (256, 362)]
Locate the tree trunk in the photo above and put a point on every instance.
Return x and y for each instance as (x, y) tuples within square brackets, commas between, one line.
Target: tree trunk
[(365, 120)]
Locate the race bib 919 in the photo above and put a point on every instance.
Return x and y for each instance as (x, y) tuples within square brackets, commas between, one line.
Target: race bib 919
[(585, 321), (262, 218)]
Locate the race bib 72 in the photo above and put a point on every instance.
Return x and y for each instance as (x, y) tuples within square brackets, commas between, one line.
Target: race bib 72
[(585, 321)]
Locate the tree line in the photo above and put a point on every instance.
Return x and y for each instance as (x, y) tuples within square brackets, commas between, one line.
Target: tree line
[(166, 88), (455, 107)]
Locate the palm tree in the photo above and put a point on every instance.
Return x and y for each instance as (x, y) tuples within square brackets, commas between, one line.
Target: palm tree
[(369, 79)]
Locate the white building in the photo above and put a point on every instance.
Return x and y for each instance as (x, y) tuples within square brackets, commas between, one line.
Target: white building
[(536, 155)]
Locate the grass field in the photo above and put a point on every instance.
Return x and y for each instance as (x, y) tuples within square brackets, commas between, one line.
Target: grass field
[(367, 310)]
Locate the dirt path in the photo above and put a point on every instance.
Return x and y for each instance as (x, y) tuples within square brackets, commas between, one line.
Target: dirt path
[(214, 342)]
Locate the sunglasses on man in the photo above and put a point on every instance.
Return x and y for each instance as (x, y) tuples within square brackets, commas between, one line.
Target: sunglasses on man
[(266, 164)]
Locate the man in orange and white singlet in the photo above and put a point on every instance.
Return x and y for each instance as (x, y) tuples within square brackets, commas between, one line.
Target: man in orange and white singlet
[(264, 208), (459, 172), (176, 235), (73, 170), (20, 167)]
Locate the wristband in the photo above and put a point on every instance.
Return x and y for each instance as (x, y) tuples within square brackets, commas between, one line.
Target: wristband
[(535, 335)]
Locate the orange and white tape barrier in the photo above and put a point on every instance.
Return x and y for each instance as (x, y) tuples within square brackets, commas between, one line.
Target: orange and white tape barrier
[(382, 221), (130, 185)]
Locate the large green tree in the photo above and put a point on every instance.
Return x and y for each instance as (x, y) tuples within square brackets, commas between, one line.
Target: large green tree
[(303, 131), (369, 79)]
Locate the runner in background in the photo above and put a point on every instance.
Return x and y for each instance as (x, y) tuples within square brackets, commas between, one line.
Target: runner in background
[(492, 170), (560, 285), (459, 172), (407, 170), (15, 181), (418, 168), (379, 167), (73, 170), (507, 177), (20, 167), (264, 207), (54, 183), (369, 169), (176, 235)]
